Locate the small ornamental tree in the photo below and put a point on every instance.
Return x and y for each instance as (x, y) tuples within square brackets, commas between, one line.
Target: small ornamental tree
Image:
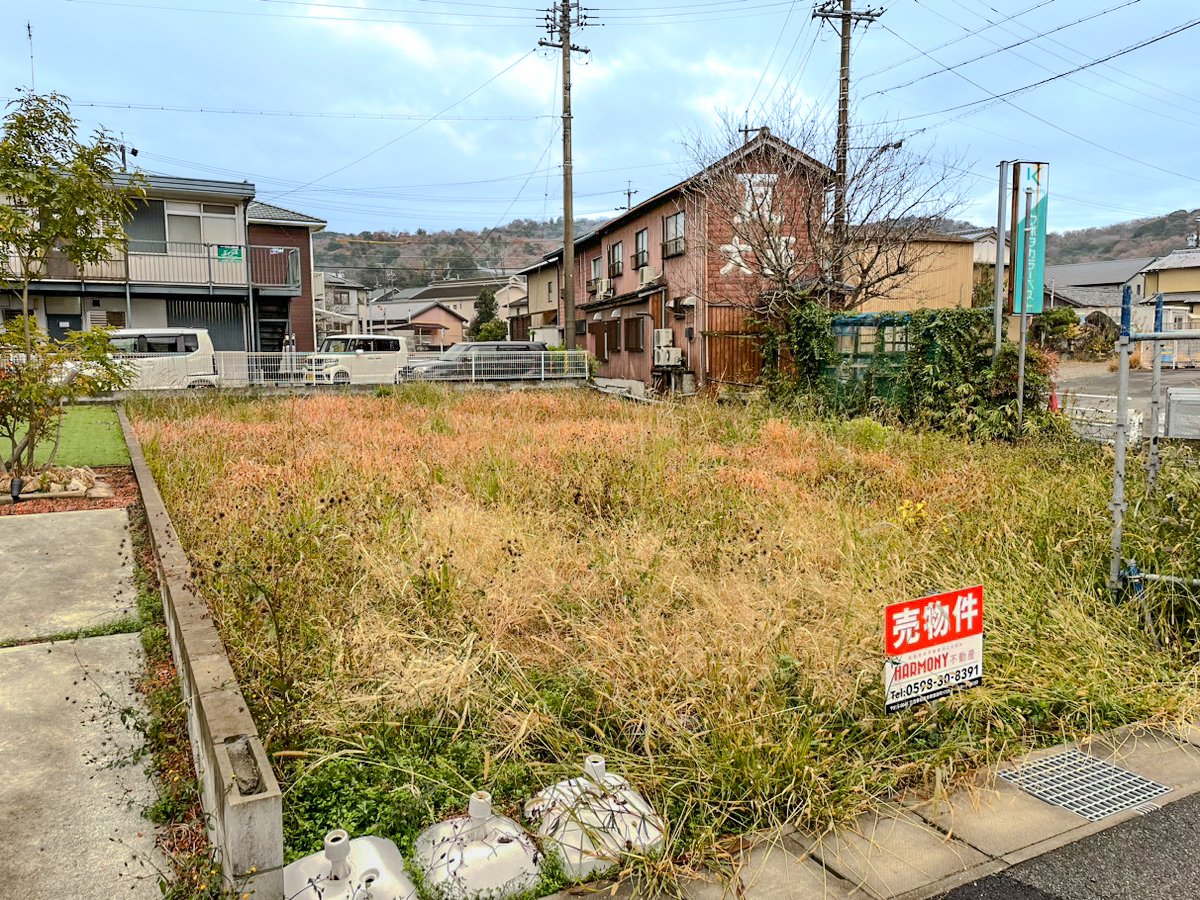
[(485, 311), (59, 204), (45, 378)]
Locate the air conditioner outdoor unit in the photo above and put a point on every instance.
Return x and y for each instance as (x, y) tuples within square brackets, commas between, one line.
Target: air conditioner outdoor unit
[(663, 337), (646, 274), (604, 286), (668, 356)]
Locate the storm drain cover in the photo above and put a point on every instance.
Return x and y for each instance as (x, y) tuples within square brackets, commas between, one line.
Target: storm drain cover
[(1086, 786)]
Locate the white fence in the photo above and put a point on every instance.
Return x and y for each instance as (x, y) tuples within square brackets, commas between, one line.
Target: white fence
[(159, 371), (1094, 417), (486, 365)]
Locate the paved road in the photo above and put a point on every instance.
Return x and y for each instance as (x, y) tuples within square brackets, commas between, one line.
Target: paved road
[(1094, 378), (1156, 857)]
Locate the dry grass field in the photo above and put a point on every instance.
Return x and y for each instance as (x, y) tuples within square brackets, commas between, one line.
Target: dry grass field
[(434, 591)]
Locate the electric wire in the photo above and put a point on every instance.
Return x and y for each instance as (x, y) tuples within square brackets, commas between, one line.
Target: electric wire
[(994, 98), (398, 117), (982, 56), (394, 140)]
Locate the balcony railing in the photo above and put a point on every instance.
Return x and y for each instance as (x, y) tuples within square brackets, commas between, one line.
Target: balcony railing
[(641, 259), (673, 247), (183, 263)]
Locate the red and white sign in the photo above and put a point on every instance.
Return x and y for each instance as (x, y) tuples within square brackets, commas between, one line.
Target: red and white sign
[(934, 646)]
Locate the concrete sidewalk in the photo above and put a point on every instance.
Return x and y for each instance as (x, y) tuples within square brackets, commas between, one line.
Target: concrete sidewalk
[(926, 849), (72, 781)]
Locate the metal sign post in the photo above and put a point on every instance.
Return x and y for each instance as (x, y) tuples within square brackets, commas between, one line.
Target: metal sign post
[(1025, 291), (1001, 249)]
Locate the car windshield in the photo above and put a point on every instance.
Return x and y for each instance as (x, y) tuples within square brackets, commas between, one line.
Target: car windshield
[(456, 351), (335, 345)]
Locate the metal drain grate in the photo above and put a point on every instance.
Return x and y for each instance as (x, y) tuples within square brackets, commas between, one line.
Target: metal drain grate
[(1086, 786)]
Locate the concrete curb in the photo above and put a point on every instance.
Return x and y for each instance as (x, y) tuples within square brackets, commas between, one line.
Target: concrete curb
[(246, 829)]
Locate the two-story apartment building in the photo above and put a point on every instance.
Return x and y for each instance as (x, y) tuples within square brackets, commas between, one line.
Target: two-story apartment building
[(198, 254)]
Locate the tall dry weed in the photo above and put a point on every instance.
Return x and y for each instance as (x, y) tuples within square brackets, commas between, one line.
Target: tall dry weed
[(695, 591)]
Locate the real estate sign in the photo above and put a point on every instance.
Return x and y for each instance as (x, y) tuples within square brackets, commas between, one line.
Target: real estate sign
[(934, 646), (229, 252), (1036, 176)]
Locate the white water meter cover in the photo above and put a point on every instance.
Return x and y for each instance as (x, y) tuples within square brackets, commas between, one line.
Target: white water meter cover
[(591, 821), (479, 855), (366, 868)]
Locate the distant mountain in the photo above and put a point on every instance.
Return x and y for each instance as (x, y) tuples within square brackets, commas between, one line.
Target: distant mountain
[(1125, 240), (403, 259)]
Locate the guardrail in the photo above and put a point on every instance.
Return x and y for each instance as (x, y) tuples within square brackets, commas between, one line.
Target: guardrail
[(1094, 417)]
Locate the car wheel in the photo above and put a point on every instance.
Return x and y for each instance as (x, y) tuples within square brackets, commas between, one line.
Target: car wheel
[(341, 378)]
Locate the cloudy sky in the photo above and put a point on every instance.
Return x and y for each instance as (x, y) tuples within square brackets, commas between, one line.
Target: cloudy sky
[(405, 114)]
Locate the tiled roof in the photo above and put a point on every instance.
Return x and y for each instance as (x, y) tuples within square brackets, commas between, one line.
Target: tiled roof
[(341, 280), (1180, 259), (1109, 271), (405, 311), (257, 210), (1099, 297)]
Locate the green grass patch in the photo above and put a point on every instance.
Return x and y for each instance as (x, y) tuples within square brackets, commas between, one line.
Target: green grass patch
[(91, 436)]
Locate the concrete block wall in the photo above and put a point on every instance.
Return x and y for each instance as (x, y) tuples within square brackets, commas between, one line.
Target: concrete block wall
[(240, 795)]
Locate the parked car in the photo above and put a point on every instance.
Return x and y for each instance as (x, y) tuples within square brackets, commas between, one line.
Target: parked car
[(357, 359), (482, 360), (167, 357)]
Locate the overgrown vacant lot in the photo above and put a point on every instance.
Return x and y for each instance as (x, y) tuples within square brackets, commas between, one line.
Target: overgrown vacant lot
[(435, 591)]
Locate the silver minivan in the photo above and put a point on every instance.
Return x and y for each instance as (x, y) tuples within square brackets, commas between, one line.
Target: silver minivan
[(357, 359)]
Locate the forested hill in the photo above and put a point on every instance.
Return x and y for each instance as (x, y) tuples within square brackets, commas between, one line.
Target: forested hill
[(1125, 240), (403, 259)]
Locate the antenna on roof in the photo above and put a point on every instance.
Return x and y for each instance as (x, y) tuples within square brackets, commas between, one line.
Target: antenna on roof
[(29, 31)]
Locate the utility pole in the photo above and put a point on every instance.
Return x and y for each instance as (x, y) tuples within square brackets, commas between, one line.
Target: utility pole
[(565, 15), (629, 192), (829, 11)]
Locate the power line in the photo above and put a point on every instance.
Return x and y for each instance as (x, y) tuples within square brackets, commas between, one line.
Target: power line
[(275, 15), (1003, 98), (412, 130), (771, 56), (998, 49), (399, 117), (969, 33), (992, 98)]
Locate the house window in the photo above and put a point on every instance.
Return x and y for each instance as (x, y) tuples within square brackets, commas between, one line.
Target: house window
[(597, 272), (201, 223), (580, 327), (635, 330), (616, 265), (673, 242), (641, 249), (550, 291)]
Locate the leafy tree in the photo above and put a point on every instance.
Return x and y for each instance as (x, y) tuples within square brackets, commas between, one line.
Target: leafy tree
[(485, 311), (495, 330), (60, 205), (43, 376)]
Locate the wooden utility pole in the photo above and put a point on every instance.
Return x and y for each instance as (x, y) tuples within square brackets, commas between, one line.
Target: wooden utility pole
[(561, 19), (829, 11)]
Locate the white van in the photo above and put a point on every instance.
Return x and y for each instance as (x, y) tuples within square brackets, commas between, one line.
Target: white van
[(167, 357), (357, 359)]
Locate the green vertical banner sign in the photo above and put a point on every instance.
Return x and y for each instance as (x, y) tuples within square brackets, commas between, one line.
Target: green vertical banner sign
[(1032, 293)]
